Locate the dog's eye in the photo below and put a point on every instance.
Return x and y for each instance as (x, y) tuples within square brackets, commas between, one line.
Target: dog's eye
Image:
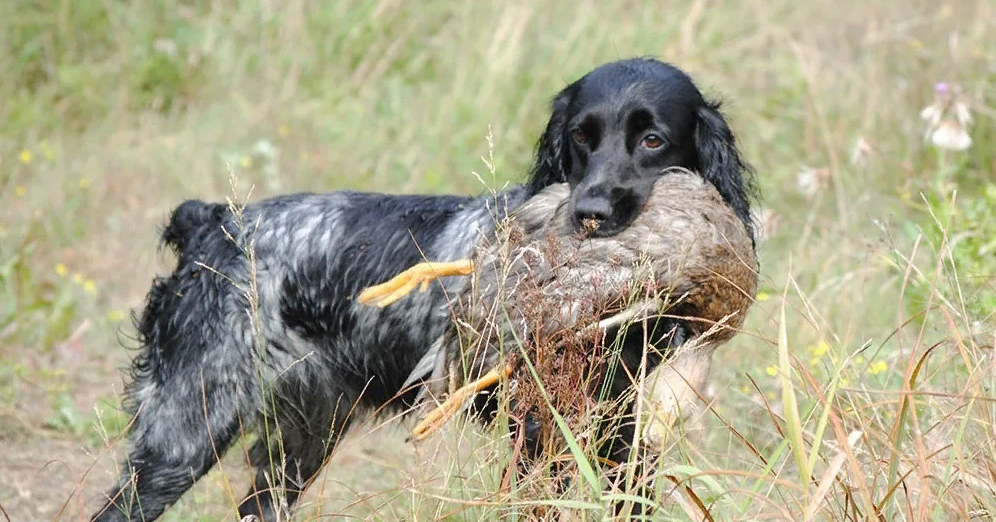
[(579, 136), (653, 141)]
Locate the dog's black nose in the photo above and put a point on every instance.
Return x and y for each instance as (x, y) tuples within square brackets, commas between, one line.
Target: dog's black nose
[(598, 209)]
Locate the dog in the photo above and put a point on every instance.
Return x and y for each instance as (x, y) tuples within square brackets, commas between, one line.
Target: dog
[(256, 330)]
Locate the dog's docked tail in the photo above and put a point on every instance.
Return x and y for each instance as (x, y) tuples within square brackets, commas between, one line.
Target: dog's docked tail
[(188, 220)]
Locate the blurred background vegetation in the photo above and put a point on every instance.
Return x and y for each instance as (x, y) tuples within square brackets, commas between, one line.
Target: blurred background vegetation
[(880, 218)]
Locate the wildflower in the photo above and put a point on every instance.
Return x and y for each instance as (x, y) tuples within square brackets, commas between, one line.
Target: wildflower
[(78, 278), (763, 296), (89, 286), (61, 270), (246, 162), (861, 152), (948, 118), (810, 180), (745, 389), (26, 156), (859, 360), (772, 370), (283, 131), (820, 349), (84, 183), (844, 381), (19, 191), (815, 361), (115, 316), (877, 367)]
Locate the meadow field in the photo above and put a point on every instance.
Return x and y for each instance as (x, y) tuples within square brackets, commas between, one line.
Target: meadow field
[(862, 387)]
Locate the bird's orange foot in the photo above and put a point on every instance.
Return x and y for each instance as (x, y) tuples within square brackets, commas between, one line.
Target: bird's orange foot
[(442, 413), (421, 274)]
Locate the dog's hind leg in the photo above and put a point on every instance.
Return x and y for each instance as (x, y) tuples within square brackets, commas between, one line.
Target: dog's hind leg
[(299, 441), (175, 443)]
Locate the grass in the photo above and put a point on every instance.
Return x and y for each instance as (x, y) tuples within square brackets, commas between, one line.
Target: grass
[(875, 313)]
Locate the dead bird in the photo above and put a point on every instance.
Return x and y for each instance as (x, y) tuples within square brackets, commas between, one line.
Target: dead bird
[(555, 311)]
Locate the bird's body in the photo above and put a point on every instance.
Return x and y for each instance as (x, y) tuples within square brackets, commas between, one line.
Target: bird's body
[(540, 292)]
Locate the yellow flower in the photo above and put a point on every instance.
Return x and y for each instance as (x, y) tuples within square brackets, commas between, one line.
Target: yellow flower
[(61, 269), (246, 162), (763, 296), (26, 156), (844, 381), (20, 191), (89, 286), (283, 131), (859, 360), (78, 278), (877, 367), (772, 370), (820, 349), (745, 389), (115, 316), (814, 361), (84, 183)]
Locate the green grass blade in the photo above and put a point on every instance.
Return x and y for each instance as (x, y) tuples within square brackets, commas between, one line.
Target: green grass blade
[(793, 423)]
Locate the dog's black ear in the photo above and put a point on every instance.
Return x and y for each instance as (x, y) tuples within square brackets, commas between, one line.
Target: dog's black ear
[(720, 163), (553, 161)]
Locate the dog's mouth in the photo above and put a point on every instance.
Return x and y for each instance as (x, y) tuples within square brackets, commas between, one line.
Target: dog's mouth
[(624, 211)]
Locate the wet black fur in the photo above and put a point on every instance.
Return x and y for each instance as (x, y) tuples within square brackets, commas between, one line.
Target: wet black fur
[(292, 358)]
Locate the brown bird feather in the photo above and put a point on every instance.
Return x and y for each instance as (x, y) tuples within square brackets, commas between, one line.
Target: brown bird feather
[(540, 293)]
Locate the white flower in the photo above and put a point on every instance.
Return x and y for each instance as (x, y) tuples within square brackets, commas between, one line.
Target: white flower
[(810, 180), (931, 113), (962, 113), (861, 152), (951, 135), (948, 118)]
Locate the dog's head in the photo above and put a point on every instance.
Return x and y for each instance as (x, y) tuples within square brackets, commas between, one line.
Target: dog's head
[(617, 129)]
